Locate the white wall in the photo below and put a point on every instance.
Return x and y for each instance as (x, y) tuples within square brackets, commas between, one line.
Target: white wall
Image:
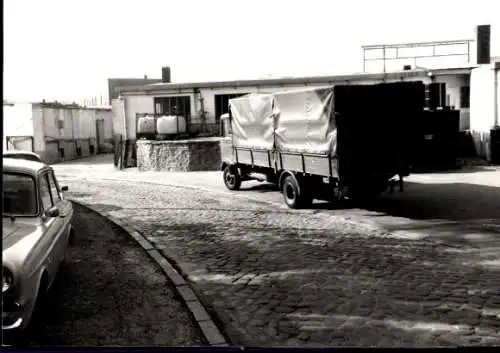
[(84, 123), (50, 117), (77, 123), (118, 106), (453, 84), (107, 115), (38, 129), (482, 99), (482, 112), (134, 105)]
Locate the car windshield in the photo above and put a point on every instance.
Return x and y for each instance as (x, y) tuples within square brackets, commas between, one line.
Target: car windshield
[(19, 194)]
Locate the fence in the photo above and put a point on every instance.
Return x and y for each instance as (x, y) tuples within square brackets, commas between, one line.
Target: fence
[(193, 129)]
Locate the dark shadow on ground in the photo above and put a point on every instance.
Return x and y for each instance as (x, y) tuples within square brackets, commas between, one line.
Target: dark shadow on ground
[(457, 170), (454, 202)]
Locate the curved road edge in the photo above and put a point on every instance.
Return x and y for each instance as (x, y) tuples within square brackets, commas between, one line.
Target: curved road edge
[(210, 330)]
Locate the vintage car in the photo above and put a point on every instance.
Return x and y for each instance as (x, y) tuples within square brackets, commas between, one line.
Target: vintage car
[(18, 154), (37, 228)]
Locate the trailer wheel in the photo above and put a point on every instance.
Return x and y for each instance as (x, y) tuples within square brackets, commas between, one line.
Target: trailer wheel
[(232, 179), (292, 195)]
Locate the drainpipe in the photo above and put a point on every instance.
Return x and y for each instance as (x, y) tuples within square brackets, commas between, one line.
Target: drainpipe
[(124, 112), (124, 141), (198, 97), (495, 94)]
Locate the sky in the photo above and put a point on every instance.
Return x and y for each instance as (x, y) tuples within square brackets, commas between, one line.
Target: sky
[(66, 50)]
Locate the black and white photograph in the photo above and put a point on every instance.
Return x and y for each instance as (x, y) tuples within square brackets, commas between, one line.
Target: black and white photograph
[(189, 173)]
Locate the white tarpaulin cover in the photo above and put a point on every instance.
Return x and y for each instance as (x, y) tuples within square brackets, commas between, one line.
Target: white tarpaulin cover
[(253, 121), (295, 121), (305, 121)]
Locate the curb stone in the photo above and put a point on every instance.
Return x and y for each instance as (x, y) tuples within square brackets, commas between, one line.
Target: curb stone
[(208, 327)]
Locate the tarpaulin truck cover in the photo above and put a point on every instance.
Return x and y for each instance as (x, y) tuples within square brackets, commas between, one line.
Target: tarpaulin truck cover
[(367, 127), (253, 121), (294, 121)]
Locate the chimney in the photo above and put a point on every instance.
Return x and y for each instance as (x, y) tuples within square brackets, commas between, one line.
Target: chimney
[(145, 77), (165, 74), (483, 44)]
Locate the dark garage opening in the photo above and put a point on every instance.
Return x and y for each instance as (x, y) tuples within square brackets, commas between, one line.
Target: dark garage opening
[(222, 103)]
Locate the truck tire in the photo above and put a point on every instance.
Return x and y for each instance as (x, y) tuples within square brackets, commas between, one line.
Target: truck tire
[(232, 178), (292, 195)]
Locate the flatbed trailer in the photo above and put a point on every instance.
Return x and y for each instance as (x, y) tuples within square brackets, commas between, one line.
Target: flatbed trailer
[(312, 145)]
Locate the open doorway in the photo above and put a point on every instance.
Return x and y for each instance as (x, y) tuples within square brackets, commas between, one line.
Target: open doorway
[(222, 103)]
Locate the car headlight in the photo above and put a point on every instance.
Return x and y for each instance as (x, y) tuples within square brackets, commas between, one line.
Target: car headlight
[(7, 279)]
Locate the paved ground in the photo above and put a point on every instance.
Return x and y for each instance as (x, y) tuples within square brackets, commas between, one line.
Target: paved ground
[(422, 268), (109, 292)]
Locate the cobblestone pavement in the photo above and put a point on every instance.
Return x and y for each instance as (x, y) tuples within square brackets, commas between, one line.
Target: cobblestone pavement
[(420, 269)]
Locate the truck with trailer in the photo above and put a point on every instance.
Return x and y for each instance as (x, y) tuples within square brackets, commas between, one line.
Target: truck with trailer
[(325, 143)]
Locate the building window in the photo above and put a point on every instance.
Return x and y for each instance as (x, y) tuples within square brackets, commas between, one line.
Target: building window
[(178, 106), (222, 103), (465, 97)]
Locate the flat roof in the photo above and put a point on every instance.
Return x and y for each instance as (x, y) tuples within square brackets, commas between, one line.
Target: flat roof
[(327, 80), (54, 105), (418, 44)]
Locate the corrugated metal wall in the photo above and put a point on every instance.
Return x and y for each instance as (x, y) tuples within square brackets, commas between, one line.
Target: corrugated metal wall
[(70, 133)]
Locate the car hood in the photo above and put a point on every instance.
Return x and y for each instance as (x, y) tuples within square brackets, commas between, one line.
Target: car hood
[(18, 233)]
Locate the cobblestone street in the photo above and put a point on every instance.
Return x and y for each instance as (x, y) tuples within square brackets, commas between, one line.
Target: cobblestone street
[(420, 269)]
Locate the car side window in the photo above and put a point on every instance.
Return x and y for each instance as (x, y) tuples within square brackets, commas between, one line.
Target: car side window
[(45, 193), (54, 188)]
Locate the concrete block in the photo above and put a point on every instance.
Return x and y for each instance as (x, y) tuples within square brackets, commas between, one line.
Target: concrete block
[(179, 155)]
